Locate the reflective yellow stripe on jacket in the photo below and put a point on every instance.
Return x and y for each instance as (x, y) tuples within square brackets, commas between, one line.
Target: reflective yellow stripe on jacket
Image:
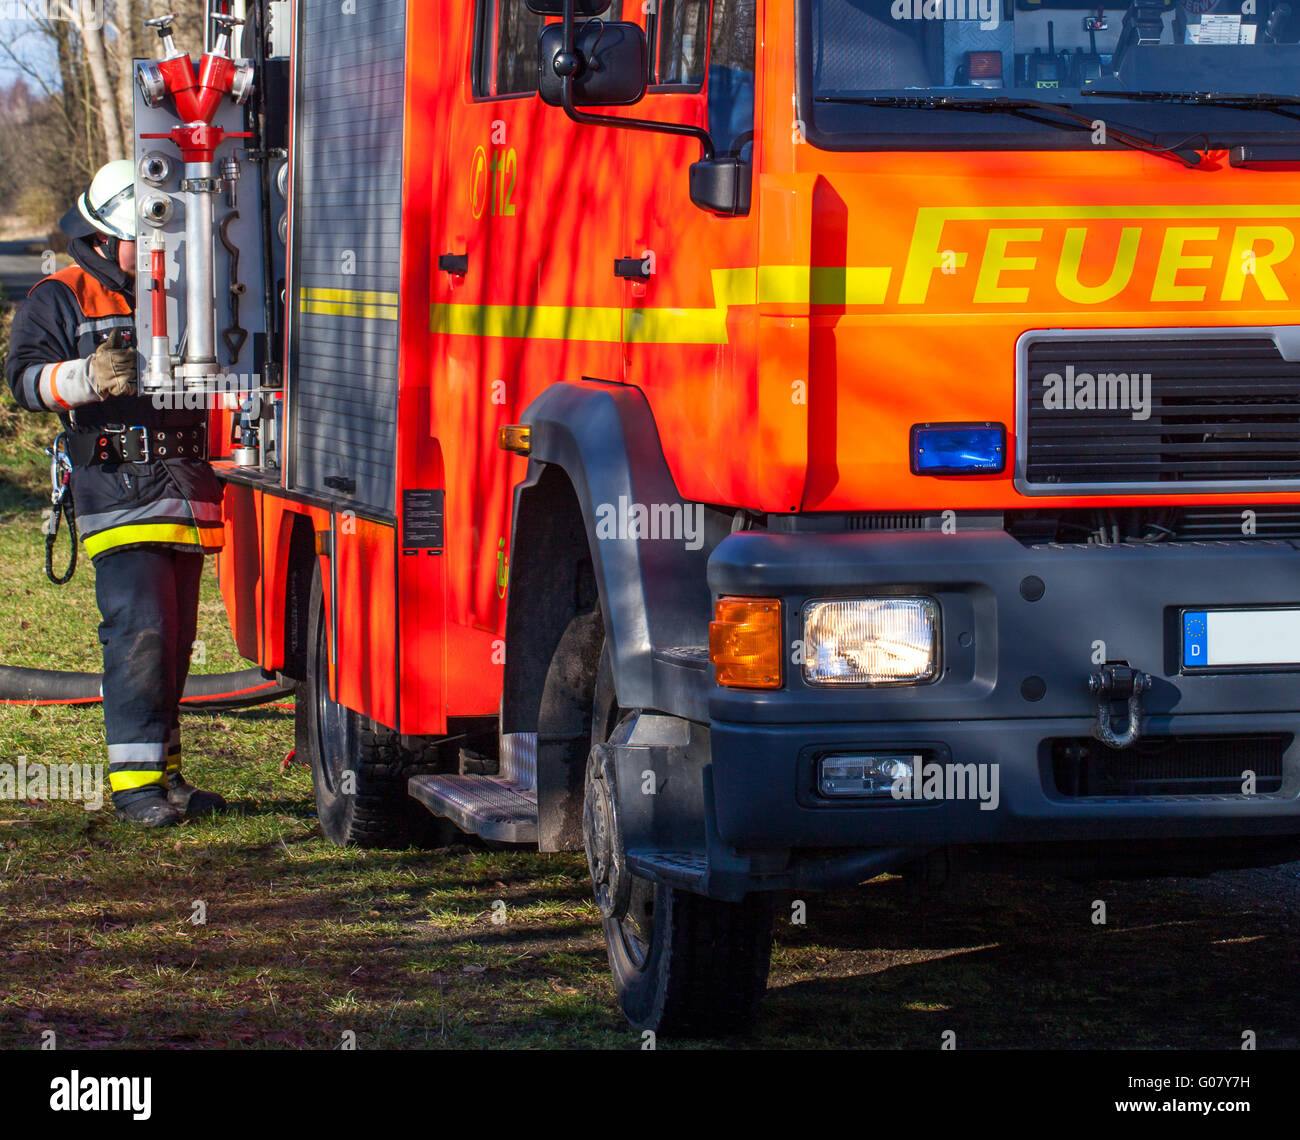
[(209, 538)]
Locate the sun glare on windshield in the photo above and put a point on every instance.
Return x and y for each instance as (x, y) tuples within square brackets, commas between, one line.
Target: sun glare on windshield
[(1053, 49)]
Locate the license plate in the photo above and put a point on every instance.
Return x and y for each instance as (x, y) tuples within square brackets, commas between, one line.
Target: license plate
[(1226, 639)]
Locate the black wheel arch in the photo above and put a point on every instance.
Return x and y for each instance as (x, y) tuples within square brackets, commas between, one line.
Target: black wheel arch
[(594, 444)]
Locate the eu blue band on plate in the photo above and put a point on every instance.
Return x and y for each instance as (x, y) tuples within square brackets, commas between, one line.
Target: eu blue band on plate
[(1195, 638)]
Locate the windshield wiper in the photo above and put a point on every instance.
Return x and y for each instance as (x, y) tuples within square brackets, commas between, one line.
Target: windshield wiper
[(1179, 153), (1261, 102)]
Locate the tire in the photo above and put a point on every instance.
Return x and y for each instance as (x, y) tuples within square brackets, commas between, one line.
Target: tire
[(683, 964), (334, 740)]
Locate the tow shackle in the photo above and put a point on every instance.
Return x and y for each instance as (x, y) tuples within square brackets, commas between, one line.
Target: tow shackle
[(1113, 683)]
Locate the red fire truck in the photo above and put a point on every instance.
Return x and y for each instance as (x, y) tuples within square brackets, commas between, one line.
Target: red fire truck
[(769, 443)]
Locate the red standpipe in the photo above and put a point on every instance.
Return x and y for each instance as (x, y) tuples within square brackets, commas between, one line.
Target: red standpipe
[(197, 98), (158, 290)]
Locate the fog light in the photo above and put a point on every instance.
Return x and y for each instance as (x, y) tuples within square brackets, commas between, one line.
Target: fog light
[(876, 774), (871, 641)]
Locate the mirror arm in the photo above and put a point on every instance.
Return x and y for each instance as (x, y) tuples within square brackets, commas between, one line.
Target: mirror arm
[(705, 139)]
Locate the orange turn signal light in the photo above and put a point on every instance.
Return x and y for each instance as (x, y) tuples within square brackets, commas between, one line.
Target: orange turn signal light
[(515, 437), (745, 642)]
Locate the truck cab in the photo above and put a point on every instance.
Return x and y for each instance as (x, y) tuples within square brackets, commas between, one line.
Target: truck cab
[(818, 439)]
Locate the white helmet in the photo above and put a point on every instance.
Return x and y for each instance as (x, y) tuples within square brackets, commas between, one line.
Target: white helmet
[(107, 206)]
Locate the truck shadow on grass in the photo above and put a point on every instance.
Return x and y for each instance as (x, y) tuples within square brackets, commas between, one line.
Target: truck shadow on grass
[(1003, 962)]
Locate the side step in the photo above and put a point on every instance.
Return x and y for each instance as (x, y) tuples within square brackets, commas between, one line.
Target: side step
[(686, 869), (490, 806)]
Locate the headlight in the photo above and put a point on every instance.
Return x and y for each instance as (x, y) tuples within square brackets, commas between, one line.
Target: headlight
[(871, 641)]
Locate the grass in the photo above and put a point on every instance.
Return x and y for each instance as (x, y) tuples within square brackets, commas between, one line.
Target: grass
[(303, 943)]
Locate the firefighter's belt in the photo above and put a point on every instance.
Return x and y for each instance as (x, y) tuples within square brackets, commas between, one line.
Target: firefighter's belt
[(116, 444)]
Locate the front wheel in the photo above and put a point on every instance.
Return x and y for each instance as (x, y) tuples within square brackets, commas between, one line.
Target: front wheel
[(683, 964)]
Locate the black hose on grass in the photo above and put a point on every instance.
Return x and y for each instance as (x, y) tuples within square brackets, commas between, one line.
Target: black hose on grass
[(208, 692)]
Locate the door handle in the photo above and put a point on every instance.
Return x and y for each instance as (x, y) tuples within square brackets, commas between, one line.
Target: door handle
[(457, 264), (631, 268)]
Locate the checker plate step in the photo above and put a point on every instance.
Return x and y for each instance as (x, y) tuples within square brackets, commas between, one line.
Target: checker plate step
[(482, 805)]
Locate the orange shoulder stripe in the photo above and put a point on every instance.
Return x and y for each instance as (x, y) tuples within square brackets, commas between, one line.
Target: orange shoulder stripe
[(93, 298)]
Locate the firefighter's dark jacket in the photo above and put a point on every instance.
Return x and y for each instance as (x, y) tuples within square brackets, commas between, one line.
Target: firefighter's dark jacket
[(174, 503)]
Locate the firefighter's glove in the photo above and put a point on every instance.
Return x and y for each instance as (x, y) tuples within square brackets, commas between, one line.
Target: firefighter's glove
[(112, 368)]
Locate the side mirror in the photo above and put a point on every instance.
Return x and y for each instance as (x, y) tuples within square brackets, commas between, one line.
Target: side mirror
[(722, 186), (580, 7), (608, 63)]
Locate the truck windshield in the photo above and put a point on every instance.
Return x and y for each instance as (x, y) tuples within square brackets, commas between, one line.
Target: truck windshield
[(1142, 64)]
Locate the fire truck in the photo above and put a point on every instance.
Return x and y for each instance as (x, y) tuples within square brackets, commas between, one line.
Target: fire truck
[(767, 444)]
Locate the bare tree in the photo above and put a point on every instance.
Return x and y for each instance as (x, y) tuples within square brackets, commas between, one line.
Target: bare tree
[(92, 40), (124, 46), (78, 112)]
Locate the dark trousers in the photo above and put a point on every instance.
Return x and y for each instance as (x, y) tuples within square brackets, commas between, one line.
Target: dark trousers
[(149, 599)]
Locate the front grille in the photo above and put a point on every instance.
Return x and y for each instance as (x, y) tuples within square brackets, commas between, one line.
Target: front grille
[(885, 521), (1168, 765), (1213, 523), (1110, 525), (1223, 409)]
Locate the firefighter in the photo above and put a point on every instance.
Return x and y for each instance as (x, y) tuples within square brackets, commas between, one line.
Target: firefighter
[(147, 503)]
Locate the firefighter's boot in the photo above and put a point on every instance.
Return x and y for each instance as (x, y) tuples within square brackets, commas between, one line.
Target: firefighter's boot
[(191, 800), (182, 794), (137, 777), (146, 807)]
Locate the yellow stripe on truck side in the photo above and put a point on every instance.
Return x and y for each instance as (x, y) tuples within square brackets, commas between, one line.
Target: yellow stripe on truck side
[(764, 285), (349, 303), (530, 322)]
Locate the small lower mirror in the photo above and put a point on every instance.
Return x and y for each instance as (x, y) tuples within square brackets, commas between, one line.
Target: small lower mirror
[(611, 69), (722, 186)]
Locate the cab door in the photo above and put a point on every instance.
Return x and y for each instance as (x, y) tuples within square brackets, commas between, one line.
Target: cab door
[(523, 290), (689, 318)]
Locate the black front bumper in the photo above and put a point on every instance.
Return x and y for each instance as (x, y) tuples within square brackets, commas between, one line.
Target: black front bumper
[(1022, 629)]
